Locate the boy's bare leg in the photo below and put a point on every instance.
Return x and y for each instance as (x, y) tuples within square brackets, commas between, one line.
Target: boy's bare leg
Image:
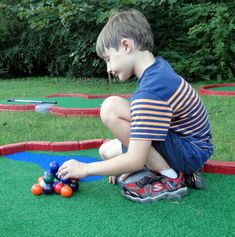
[(115, 114), (108, 150), (118, 121), (111, 149)]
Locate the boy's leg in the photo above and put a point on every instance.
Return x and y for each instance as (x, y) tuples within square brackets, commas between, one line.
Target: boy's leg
[(108, 150), (115, 114), (113, 148), (176, 145)]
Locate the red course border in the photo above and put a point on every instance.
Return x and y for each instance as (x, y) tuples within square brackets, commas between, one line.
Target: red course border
[(65, 112), (204, 90), (211, 166), (50, 146)]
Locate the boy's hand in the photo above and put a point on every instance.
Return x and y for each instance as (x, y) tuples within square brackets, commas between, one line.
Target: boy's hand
[(72, 169), (112, 179), (123, 177)]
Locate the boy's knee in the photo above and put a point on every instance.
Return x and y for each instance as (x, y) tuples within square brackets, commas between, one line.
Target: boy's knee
[(109, 107), (103, 152), (110, 149)]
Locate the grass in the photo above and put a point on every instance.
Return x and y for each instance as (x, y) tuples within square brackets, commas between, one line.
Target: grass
[(28, 126), (99, 209)]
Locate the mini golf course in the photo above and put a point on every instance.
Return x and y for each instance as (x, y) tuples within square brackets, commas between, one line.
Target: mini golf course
[(218, 89), (66, 104), (98, 208)]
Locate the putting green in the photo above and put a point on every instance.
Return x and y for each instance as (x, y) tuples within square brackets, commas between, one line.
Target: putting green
[(65, 102), (99, 209), (223, 88), (218, 89)]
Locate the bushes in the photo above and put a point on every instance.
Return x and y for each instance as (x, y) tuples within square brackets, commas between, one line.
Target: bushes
[(56, 37), (210, 42)]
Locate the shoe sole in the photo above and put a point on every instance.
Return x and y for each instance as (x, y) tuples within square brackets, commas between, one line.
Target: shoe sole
[(198, 183), (180, 193)]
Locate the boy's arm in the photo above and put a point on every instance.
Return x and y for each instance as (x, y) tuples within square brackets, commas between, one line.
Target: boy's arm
[(131, 161)]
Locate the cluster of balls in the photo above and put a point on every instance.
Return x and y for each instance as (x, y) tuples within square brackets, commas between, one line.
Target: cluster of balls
[(49, 183)]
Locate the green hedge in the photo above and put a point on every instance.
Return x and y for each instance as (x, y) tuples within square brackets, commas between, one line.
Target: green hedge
[(57, 38)]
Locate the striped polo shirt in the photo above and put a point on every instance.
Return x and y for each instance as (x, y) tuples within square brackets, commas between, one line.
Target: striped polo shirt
[(163, 101)]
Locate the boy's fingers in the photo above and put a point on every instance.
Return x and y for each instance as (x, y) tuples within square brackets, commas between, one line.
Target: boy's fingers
[(62, 167), (112, 179), (62, 172), (124, 176), (65, 176)]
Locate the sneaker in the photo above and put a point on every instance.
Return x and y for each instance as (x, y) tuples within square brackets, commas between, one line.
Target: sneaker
[(139, 178), (160, 187), (195, 180)]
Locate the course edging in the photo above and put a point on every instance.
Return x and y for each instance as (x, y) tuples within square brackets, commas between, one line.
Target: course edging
[(204, 90), (211, 166), (50, 146)]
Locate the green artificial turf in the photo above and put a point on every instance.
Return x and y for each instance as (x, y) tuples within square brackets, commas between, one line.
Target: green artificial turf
[(65, 102), (99, 209), (223, 88)]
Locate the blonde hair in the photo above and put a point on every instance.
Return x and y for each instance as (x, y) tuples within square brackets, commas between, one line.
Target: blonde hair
[(129, 24)]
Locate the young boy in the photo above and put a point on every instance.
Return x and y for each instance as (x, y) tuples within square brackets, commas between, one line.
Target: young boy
[(164, 129)]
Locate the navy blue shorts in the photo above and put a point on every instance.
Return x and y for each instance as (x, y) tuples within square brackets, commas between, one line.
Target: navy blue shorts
[(185, 154)]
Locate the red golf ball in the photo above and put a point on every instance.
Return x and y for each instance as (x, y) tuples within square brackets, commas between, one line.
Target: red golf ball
[(58, 187)]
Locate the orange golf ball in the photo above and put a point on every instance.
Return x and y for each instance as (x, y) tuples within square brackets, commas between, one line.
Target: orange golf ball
[(66, 191), (36, 189)]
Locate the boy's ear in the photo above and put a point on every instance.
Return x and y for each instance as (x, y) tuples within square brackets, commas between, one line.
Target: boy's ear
[(127, 44)]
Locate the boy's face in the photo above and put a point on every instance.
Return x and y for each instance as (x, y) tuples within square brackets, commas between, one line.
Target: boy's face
[(119, 63)]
